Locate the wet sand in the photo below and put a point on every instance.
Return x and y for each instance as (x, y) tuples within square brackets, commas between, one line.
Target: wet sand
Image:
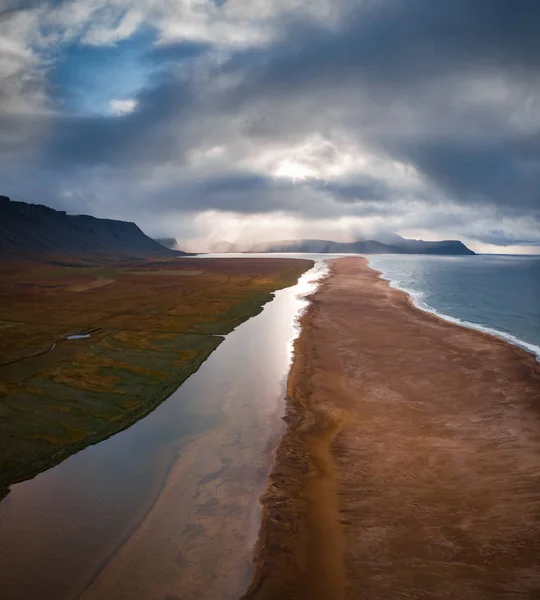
[(410, 467), (196, 541)]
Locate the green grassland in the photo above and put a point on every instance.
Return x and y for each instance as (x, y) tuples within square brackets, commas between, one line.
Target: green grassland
[(152, 325)]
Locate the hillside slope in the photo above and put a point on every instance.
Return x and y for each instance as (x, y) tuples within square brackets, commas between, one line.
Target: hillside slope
[(170, 243), (37, 231)]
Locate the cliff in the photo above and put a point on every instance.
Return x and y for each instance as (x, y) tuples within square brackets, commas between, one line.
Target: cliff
[(36, 231)]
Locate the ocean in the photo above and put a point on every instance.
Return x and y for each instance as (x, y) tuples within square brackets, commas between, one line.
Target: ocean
[(494, 293)]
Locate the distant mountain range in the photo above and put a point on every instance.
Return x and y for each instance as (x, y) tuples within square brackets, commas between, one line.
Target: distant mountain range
[(35, 231), (386, 244)]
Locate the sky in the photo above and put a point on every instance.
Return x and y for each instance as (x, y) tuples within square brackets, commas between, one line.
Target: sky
[(254, 120)]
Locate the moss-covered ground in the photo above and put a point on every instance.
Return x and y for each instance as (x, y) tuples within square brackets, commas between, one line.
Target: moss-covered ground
[(151, 325)]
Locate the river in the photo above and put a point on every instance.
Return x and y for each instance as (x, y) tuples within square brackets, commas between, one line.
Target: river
[(168, 508)]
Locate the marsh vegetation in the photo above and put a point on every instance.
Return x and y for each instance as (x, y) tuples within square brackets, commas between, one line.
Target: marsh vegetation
[(153, 323)]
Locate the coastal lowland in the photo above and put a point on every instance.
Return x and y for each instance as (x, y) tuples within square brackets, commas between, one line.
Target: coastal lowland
[(410, 464), (406, 467), (88, 348)]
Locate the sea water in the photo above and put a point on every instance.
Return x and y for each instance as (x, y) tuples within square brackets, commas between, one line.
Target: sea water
[(495, 293)]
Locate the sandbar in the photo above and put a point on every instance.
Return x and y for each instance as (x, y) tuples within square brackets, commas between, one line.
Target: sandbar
[(410, 467)]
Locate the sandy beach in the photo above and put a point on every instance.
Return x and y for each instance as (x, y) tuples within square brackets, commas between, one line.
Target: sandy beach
[(411, 463)]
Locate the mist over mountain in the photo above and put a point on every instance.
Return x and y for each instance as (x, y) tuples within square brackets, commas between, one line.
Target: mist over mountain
[(170, 243), (37, 231), (387, 243), (34, 231)]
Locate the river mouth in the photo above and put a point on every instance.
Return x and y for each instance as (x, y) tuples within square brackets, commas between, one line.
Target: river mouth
[(171, 503)]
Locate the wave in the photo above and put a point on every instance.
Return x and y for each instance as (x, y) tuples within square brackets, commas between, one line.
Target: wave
[(417, 299)]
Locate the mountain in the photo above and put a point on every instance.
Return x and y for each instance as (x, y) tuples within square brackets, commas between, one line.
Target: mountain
[(170, 243), (327, 246), (391, 244), (36, 231), (450, 247)]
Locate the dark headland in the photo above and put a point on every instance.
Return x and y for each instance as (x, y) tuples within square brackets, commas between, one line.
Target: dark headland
[(388, 244), (35, 231), (144, 318)]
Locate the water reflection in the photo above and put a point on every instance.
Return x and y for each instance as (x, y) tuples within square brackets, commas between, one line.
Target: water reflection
[(167, 508)]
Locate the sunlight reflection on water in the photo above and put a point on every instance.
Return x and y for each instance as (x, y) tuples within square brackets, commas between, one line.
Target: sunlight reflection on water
[(224, 420)]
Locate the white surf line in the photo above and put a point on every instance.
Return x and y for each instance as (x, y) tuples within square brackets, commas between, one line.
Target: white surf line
[(416, 298)]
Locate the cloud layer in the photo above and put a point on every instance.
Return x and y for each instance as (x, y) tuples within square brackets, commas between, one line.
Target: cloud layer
[(197, 118)]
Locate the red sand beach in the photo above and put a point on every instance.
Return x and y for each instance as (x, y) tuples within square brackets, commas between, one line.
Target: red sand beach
[(411, 463)]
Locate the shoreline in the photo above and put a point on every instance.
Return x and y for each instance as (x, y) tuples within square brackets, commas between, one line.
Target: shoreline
[(508, 338), (172, 370), (166, 390), (285, 481), (305, 543), (492, 334), (160, 518)]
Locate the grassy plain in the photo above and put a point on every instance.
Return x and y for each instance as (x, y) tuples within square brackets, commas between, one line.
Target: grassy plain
[(151, 325)]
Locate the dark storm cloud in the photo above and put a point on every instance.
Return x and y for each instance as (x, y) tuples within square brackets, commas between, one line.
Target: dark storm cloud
[(502, 238), (147, 136), (403, 71), (235, 191), (401, 42), (9, 6), (238, 192), (449, 88), (481, 172), (392, 57), (247, 194), (367, 190), (89, 135)]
